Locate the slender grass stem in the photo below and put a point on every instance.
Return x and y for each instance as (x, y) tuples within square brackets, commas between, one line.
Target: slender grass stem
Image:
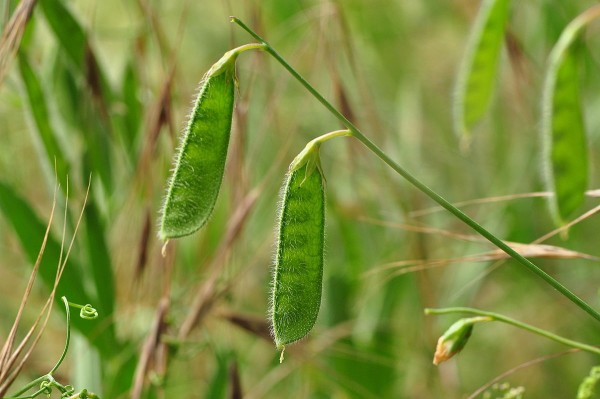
[(518, 324), (355, 131)]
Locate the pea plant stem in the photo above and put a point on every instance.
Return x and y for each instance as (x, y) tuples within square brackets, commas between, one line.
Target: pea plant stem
[(527, 327), (355, 132)]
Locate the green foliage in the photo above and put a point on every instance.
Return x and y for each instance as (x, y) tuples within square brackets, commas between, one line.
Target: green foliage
[(37, 105), (106, 84)]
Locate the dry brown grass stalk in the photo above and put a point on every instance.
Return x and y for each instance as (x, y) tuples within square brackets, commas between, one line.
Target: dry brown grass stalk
[(12, 35)]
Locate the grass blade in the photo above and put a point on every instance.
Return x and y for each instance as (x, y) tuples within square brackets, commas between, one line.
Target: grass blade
[(96, 95), (479, 67), (99, 260), (133, 110), (30, 231), (563, 127), (38, 107), (67, 30)]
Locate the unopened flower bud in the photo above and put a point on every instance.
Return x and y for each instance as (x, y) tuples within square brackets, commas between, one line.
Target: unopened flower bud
[(455, 338)]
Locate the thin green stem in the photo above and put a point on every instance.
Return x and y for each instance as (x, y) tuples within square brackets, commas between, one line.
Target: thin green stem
[(68, 339), (249, 46), (417, 183), (518, 324), (32, 384), (311, 150), (328, 136)]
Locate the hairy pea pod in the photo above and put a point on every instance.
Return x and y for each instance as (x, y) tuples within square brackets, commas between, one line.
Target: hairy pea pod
[(200, 160), (563, 122), (566, 141), (298, 274), (479, 69)]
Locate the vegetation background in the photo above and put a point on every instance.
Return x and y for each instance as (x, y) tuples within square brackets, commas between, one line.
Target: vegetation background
[(104, 88)]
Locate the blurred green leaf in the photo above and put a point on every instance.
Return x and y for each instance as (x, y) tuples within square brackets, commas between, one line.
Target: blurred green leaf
[(99, 260), (68, 31), (93, 109), (87, 370), (132, 116), (217, 387), (30, 230), (56, 161)]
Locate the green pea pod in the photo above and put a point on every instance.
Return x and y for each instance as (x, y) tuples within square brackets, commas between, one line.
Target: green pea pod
[(567, 141), (298, 275), (200, 160), (563, 127), (479, 68)]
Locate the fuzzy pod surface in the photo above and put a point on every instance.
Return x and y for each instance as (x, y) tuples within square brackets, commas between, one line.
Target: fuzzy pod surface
[(567, 140), (479, 70), (298, 273), (200, 160)]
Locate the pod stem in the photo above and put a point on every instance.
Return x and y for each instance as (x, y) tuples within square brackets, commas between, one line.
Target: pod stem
[(515, 323), (355, 131), (249, 46)]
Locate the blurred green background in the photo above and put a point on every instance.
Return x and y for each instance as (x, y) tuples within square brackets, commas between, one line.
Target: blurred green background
[(103, 88)]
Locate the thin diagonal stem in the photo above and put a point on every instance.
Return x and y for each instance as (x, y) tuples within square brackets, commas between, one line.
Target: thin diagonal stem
[(355, 131)]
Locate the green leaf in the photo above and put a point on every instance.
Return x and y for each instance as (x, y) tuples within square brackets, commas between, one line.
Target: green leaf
[(69, 33), (30, 230), (93, 100), (217, 388), (37, 105), (477, 75), (133, 110), (99, 260), (87, 370)]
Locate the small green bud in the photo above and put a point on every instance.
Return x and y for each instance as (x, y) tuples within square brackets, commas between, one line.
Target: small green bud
[(455, 338)]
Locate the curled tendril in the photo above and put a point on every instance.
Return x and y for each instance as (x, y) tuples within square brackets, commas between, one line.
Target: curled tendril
[(69, 390), (88, 312), (47, 381), (46, 387)]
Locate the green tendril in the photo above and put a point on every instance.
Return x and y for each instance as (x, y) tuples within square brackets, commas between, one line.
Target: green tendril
[(47, 382), (87, 312)]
